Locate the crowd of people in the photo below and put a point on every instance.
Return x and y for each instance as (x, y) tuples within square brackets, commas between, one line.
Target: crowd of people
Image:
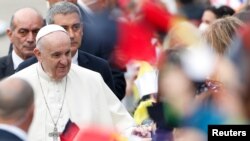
[(124, 70)]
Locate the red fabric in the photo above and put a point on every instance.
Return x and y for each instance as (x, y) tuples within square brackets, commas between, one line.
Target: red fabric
[(157, 16), (135, 35), (245, 34), (97, 134), (134, 43), (70, 132), (123, 3)]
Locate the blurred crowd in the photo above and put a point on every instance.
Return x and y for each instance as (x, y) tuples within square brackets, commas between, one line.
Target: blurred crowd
[(176, 65)]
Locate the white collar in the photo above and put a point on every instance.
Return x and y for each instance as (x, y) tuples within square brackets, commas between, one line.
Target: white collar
[(16, 59), (74, 59), (15, 130)]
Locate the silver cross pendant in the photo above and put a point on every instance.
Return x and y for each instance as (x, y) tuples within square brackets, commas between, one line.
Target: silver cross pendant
[(55, 134)]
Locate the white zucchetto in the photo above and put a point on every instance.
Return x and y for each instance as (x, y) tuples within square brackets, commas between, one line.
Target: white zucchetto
[(47, 30)]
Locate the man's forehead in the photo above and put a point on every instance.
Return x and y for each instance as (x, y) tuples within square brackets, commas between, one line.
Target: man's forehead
[(54, 1), (32, 28), (56, 42), (55, 50), (69, 17), (28, 23)]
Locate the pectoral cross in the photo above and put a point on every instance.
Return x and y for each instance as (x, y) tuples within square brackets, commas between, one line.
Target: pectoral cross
[(55, 134)]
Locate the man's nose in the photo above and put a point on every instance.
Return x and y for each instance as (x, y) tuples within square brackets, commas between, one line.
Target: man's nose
[(71, 33), (31, 37), (64, 60)]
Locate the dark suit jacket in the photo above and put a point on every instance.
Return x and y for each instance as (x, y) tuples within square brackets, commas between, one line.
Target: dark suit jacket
[(88, 61), (6, 66), (96, 42), (99, 39), (7, 136)]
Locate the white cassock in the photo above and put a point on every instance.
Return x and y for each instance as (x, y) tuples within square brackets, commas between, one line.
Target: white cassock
[(88, 100)]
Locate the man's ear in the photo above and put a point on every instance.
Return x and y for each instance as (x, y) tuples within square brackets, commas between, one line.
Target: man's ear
[(37, 53), (9, 33)]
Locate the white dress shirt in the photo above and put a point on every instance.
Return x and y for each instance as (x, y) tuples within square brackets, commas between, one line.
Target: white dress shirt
[(16, 59)]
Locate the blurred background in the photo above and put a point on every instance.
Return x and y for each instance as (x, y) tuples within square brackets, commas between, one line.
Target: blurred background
[(184, 43), (8, 8)]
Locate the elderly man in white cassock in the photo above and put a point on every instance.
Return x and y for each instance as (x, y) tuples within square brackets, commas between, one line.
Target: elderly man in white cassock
[(64, 91)]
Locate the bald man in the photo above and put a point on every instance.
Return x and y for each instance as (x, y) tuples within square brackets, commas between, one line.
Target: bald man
[(24, 25), (16, 109)]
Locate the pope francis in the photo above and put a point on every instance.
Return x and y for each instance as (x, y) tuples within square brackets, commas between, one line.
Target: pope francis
[(64, 91)]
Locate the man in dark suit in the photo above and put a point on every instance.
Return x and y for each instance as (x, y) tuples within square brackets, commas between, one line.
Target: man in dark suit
[(24, 25), (17, 107), (95, 41), (68, 16)]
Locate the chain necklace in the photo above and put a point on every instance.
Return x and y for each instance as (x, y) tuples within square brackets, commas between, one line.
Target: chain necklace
[(55, 134)]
